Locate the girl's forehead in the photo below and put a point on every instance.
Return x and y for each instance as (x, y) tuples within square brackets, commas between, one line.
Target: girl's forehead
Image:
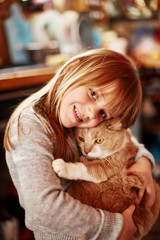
[(107, 88)]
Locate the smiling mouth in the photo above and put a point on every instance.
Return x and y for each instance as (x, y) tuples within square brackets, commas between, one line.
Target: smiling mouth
[(77, 115)]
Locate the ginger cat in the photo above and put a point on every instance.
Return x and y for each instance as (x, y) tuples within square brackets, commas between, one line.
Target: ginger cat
[(101, 175)]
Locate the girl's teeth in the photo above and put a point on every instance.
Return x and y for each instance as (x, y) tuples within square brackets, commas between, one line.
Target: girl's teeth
[(77, 114)]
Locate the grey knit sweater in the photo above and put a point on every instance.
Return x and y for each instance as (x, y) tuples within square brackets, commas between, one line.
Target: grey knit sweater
[(50, 212)]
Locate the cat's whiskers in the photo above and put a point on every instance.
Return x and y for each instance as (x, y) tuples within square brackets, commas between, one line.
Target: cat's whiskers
[(108, 161)]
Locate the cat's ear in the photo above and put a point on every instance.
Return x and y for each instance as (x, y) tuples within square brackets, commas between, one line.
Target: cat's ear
[(117, 126), (114, 124)]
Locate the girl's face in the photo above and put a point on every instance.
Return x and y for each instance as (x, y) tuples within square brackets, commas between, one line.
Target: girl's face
[(84, 107)]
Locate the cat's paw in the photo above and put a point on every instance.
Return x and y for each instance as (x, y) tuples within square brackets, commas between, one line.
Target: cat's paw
[(60, 167)]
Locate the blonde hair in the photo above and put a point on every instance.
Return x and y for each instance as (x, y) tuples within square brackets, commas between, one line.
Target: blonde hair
[(95, 69)]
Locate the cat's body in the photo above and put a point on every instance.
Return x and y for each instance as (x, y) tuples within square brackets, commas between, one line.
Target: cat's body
[(102, 180), (113, 191)]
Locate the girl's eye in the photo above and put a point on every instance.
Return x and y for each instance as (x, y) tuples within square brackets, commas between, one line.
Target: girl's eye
[(94, 94), (99, 140), (81, 139), (103, 114)]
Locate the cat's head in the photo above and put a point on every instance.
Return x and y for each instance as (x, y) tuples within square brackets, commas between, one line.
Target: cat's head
[(101, 141)]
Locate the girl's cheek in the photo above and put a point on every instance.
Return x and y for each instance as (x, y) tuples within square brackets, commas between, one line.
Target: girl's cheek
[(94, 123)]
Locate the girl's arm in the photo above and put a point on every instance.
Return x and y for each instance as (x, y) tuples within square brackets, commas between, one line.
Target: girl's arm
[(144, 164), (48, 209)]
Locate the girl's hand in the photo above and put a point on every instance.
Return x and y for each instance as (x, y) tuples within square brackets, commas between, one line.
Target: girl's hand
[(129, 227), (143, 166)]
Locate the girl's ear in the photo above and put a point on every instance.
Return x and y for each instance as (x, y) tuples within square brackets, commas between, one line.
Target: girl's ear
[(114, 124), (75, 62)]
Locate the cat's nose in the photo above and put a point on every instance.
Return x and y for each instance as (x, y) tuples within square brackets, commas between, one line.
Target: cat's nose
[(87, 150)]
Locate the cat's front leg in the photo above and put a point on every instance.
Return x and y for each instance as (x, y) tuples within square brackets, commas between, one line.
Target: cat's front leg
[(72, 171)]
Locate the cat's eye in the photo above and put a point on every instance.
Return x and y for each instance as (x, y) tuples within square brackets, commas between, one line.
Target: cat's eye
[(81, 139), (99, 140)]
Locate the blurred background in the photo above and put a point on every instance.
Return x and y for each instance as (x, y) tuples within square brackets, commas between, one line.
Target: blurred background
[(38, 36)]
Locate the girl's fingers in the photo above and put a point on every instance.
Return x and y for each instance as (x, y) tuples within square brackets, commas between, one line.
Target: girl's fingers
[(140, 194), (132, 208), (150, 198)]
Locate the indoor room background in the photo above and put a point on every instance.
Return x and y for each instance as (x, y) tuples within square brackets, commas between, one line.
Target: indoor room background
[(38, 36)]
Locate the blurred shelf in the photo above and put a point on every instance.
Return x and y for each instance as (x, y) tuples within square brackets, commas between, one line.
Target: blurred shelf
[(26, 76)]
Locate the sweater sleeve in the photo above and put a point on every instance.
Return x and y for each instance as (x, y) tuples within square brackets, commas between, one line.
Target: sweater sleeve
[(47, 207)]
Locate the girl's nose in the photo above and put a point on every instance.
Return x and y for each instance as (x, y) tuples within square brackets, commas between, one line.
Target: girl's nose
[(91, 112)]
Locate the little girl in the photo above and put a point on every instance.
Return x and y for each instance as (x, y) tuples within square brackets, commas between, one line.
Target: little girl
[(92, 87)]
